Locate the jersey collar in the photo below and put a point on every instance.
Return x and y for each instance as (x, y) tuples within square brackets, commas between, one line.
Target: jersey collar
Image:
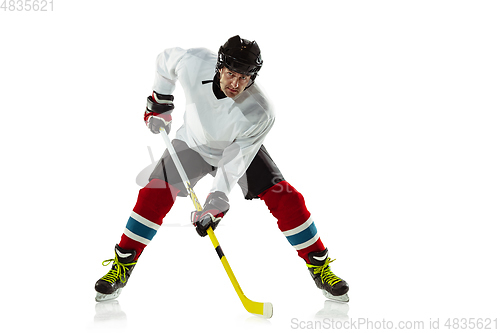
[(215, 87)]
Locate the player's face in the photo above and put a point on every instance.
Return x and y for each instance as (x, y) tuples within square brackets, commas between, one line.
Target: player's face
[(231, 83)]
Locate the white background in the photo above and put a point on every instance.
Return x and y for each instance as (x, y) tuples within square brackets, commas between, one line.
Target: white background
[(388, 124)]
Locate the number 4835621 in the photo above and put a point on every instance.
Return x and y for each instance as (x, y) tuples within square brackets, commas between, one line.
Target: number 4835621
[(27, 5)]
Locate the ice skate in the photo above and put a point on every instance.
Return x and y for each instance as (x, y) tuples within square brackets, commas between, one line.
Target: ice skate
[(110, 285), (333, 287)]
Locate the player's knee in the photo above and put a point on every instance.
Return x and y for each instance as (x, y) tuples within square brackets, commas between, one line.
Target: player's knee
[(283, 196)]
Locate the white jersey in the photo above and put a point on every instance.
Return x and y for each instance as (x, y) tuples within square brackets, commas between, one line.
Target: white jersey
[(226, 132)]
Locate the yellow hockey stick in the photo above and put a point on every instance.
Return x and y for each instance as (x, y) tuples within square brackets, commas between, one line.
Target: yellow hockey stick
[(263, 309)]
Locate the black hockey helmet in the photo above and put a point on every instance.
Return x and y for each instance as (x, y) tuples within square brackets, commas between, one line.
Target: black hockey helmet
[(241, 56)]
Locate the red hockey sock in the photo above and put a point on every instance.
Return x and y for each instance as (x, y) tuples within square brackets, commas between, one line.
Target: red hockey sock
[(154, 202), (294, 220)]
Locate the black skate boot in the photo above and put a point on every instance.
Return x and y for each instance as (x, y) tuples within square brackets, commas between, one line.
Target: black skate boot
[(110, 285), (333, 287)]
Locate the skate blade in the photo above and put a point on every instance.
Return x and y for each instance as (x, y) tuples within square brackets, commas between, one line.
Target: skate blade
[(342, 298), (106, 297)]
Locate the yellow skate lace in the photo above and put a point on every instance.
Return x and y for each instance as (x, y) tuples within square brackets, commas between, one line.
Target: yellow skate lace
[(325, 273), (118, 271)]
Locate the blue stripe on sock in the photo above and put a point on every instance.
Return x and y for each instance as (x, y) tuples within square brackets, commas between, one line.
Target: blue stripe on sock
[(140, 229), (303, 236)]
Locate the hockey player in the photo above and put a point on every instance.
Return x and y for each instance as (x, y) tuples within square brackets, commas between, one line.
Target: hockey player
[(226, 120)]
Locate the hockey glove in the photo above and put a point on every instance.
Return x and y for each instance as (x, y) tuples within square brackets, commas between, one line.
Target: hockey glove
[(216, 206), (158, 112)]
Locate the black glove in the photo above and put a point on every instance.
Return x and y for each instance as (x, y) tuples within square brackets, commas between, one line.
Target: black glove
[(216, 206), (158, 112)]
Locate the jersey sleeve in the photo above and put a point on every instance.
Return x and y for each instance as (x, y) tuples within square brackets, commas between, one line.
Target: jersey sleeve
[(237, 157), (168, 64)]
